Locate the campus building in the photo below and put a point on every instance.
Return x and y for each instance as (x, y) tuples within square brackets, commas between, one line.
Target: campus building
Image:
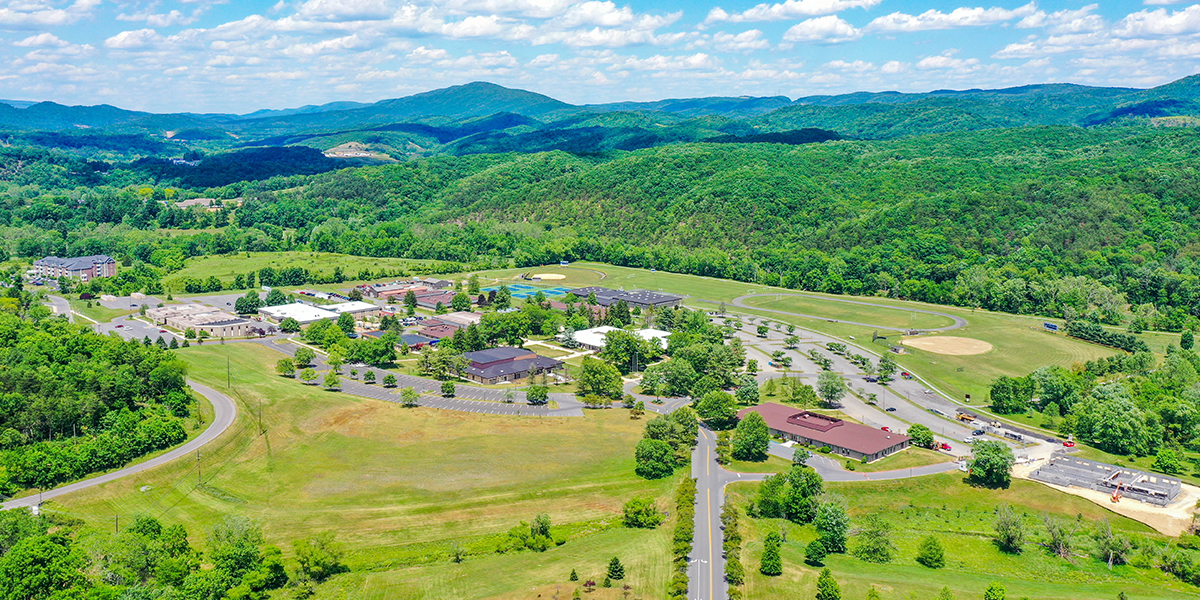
[(302, 313), (842, 437), (642, 299), (507, 364), (80, 267), (594, 338), (360, 310), (198, 317)]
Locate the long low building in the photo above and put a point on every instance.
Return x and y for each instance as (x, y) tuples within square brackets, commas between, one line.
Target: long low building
[(507, 364), (198, 317), (634, 298), (359, 309), (302, 313), (594, 338), (842, 437)]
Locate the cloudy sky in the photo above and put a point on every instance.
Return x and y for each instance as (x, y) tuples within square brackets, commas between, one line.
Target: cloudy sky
[(242, 55)]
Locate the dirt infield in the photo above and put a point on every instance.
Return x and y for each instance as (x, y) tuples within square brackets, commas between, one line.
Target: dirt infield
[(948, 344), (549, 276)]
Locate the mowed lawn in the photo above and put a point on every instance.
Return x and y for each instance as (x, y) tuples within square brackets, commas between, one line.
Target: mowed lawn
[(879, 314), (962, 518), (226, 266), (401, 487)]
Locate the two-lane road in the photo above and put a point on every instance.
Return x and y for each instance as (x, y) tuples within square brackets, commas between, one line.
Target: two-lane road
[(224, 412)]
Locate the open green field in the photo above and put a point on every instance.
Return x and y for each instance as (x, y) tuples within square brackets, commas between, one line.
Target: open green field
[(226, 267), (401, 487), (884, 316), (573, 276), (96, 312), (908, 458), (961, 517)]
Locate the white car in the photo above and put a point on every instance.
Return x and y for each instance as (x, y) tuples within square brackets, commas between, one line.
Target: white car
[(968, 440)]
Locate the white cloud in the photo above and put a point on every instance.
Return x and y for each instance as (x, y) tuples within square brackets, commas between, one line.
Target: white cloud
[(42, 40), (537, 9), (947, 61), (859, 66), (830, 29), (894, 66), (604, 14), (32, 13), (169, 19), (1160, 22), (134, 40), (1065, 21), (423, 55), (346, 10), (959, 17), (543, 60), (349, 42), (659, 62), (790, 9), (740, 42)]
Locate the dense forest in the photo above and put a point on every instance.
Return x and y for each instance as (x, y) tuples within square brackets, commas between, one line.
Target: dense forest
[(73, 402), (1058, 221)]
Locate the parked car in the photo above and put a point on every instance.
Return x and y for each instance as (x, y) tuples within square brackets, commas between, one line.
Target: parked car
[(945, 447), (978, 432), (119, 326), (162, 330), (871, 379), (1068, 444), (890, 409), (968, 440), (886, 429)]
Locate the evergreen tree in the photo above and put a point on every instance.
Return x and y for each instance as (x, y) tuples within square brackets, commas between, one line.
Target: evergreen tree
[(771, 565), (1186, 340), (931, 554), (815, 552), (574, 576), (827, 586), (995, 591), (615, 569)]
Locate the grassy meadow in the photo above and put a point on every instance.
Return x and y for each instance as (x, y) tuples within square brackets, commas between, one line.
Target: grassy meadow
[(225, 267), (402, 487), (961, 517)]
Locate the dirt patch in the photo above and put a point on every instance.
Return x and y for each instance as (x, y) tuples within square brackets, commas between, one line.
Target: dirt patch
[(549, 276), (948, 344), (1172, 519)]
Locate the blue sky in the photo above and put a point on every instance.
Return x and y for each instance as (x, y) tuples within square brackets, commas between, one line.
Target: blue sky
[(242, 55)]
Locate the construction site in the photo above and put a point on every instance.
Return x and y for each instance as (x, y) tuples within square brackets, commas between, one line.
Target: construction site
[(1120, 483)]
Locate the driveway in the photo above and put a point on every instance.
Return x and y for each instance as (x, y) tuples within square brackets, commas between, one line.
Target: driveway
[(224, 412)]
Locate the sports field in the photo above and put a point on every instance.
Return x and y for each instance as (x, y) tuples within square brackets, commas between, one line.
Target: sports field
[(961, 517), (401, 486), (881, 315)]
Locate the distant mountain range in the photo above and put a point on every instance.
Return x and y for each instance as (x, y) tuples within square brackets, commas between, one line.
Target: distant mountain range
[(485, 117)]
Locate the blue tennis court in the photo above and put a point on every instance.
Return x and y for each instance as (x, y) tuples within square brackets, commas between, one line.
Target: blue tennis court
[(522, 291)]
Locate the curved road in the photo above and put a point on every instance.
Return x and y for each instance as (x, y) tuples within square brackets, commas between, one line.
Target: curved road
[(959, 322), (224, 411)]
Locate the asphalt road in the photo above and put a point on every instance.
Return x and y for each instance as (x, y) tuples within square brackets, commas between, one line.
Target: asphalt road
[(959, 322), (133, 329), (224, 412), (60, 306)]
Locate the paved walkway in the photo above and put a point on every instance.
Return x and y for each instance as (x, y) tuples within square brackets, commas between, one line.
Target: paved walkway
[(959, 322)]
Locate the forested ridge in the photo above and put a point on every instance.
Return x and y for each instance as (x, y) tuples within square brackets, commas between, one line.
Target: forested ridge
[(1059, 221)]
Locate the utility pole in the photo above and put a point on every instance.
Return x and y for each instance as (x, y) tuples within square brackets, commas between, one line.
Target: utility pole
[(228, 376), (199, 479), (116, 523)]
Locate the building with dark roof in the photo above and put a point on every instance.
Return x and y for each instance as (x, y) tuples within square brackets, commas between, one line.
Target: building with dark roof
[(414, 341), (507, 364), (438, 332), (430, 300), (81, 267), (842, 437), (640, 298)]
